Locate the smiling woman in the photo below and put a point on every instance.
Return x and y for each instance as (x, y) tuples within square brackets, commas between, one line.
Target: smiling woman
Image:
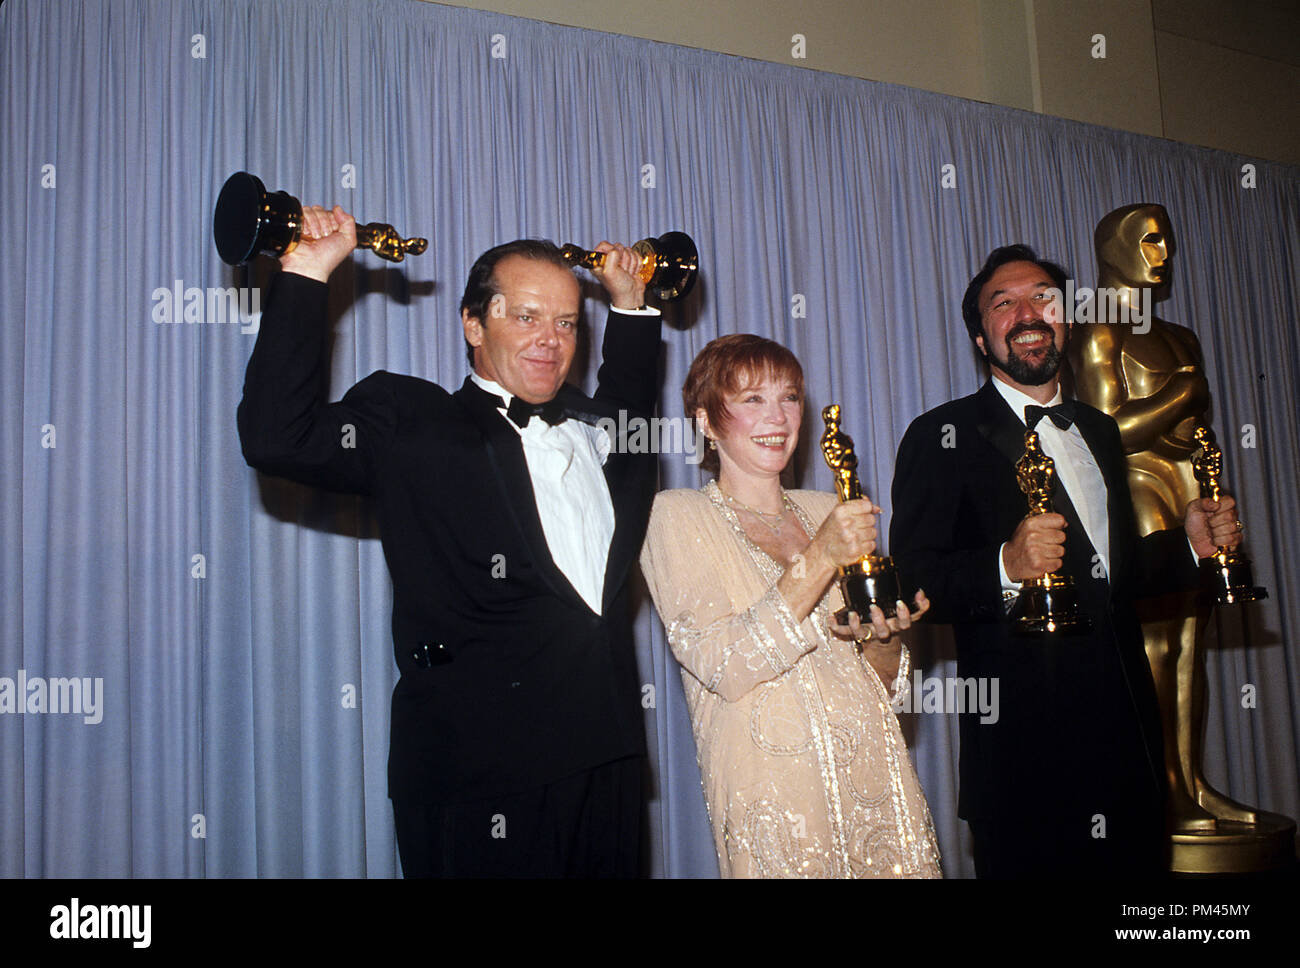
[(805, 771)]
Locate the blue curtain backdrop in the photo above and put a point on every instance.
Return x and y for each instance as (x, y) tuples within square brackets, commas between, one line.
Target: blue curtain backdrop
[(240, 625)]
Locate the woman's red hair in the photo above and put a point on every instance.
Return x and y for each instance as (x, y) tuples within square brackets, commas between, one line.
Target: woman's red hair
[(728, 365)]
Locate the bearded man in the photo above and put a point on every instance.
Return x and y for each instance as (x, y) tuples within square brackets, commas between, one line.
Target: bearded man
[(1068, 779)]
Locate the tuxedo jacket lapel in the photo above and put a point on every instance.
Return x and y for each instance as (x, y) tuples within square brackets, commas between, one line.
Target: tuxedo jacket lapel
[(505, 453), (625, 544), (999, 424)]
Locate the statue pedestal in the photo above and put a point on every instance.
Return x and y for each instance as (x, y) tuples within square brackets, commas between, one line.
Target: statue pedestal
[(1237, 848)]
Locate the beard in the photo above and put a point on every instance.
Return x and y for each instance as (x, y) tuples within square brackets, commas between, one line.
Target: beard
[(1020, 370)]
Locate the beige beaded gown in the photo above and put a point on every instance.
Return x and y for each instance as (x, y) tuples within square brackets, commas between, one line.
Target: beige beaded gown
[(805, 771)]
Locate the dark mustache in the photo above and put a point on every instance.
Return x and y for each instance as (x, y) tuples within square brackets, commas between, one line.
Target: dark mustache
[(1035, 327)]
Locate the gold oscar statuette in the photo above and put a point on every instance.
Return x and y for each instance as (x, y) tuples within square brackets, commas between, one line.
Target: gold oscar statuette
[(1149, 374), (250, 221), (871, 580), (1049, 603), (669, 264), (1229, 577)]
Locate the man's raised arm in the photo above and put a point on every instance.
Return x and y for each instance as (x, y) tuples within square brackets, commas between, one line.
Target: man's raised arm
[(286, 428), (628, 377)]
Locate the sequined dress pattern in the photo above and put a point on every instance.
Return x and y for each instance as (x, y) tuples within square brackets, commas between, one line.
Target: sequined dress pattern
[(805, 771)]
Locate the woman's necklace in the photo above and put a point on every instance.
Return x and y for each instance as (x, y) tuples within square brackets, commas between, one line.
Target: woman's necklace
[(769, 519)]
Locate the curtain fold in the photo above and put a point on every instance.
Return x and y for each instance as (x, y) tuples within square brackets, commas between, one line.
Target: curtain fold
[(240, 626)]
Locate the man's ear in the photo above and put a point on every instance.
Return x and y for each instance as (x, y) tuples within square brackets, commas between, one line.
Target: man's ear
[(473, 328), (979, 341)]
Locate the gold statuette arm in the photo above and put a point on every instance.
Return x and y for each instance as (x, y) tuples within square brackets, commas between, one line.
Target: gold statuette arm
[(1143, 420)]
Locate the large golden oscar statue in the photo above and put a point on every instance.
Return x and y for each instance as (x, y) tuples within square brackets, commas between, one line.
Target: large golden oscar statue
[(1148, 374)]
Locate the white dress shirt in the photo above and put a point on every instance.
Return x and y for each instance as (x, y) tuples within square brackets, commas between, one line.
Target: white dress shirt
[(1077, 472), (564, 465)]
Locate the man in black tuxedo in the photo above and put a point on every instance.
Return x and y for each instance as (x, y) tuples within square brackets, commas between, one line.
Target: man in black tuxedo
[(1069, 779), (509, 527)]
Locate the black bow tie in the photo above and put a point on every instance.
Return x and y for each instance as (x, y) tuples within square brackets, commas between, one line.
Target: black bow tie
[(1062, 414), (521, 411)]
